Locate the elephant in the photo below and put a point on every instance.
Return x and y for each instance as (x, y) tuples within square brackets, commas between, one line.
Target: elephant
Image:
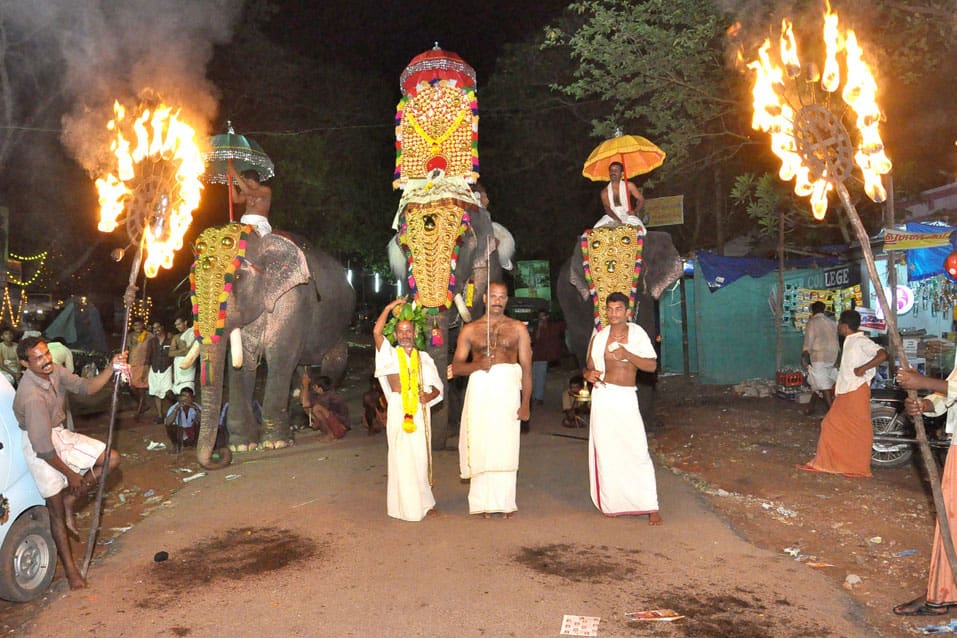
[(278, 301), (484, 250), (661, 266)]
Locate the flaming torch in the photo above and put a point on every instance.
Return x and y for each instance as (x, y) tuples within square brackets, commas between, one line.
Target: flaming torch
[(797, 106), (152, 186)]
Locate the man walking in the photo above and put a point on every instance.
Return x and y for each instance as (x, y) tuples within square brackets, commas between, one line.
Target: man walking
[(497, 399), (844, 446), (63, 463), (620, 470), (820, 354)]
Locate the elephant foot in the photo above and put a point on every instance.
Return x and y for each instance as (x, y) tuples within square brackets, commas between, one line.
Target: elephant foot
[(277, 445), (243, 447)]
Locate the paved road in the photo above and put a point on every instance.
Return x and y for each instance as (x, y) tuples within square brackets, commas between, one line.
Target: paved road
[(300, 545)]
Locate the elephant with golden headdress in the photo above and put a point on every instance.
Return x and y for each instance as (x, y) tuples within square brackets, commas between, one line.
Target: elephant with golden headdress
[(617, 258), (262, 299)]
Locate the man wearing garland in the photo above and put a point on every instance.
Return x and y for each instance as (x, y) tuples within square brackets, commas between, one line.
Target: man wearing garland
[(411, 384), (497, 399)]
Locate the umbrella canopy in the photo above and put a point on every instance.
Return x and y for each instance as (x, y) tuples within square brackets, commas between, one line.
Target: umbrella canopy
[(637, 154), (244, 153)]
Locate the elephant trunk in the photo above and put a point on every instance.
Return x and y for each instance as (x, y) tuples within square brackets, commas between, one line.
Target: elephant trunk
[(211, 381)]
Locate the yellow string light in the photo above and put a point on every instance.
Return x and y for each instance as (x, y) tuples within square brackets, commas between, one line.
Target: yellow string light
[(41, 257), (6, 307)]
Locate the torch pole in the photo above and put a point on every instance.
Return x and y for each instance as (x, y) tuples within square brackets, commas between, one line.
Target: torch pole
[(128, 299), (891, 318)]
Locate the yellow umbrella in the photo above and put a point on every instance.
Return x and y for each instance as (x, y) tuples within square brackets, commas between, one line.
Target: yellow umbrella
[(637, 154)]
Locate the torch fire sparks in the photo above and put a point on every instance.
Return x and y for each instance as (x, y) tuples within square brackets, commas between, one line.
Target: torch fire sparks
[(155, 180), (804, 138)]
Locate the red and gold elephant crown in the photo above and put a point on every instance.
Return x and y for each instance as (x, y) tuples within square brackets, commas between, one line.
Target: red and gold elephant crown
[(436, 121)]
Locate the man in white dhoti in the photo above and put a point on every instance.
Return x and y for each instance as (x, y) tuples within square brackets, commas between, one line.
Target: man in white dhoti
[(411, 385), (182, 342), (616, 200), (496, 401), (620, 470), (820, 354)]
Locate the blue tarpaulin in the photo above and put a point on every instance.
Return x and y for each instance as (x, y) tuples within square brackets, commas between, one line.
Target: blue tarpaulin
[(720, 271), (923, 263)]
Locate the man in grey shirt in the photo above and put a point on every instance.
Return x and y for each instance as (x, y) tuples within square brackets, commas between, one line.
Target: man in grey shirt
[(63, 463)]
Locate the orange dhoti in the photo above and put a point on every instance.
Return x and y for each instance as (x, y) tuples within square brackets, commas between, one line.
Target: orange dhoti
[(847, 435), (941, 589)]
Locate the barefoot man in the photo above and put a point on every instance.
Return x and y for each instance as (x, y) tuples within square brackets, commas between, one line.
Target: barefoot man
[(411, 384), (620, 471), (64, 464), (496, 401), (256, 196)]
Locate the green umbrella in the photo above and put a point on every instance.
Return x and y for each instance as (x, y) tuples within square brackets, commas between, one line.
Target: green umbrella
[(242, 153)]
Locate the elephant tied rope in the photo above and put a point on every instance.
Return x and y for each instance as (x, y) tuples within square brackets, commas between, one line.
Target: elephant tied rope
[(612, 261)]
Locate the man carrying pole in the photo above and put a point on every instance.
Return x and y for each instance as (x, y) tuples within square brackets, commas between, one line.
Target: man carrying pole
[(63, 463), (497, 398)]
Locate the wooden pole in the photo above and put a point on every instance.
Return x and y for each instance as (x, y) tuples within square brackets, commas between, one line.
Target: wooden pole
[(930, 464), (128, 299)]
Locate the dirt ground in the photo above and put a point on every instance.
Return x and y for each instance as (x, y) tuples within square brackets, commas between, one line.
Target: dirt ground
[(738, 453), (741, 453)]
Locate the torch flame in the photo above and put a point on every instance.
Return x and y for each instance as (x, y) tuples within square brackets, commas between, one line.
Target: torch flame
[(159, 136), (773, 114), (831, 77)]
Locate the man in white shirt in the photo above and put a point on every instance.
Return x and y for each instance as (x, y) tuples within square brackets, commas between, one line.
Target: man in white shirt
[(820, 354), (844, 446)]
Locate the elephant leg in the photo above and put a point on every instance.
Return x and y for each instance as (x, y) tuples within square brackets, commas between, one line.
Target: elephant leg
[(334, 362), (240, 421), (276, 432)]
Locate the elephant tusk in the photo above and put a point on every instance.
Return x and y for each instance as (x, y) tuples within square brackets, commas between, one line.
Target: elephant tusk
[(463, 309), (190, 357), (236, 347)]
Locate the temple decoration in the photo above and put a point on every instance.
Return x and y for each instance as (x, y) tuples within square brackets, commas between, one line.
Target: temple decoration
[(611, 257), (431, 235)]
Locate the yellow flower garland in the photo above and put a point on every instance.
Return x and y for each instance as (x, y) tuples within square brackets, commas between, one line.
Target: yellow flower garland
[(409, 380)]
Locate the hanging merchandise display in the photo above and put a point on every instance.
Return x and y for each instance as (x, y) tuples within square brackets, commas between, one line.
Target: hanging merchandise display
[(935, 296), (797, 302)]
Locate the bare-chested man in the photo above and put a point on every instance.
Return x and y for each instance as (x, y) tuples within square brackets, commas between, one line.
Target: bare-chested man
[(616, 199), (256, 196), (497, 399), (619, 467)]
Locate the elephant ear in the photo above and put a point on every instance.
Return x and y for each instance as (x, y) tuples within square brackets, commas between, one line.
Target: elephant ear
[(663, 264), (576, 272), (283, 265)]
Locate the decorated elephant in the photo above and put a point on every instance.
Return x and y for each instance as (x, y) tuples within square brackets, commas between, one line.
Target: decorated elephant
[(272, 299), (452, 251), (612, 259)]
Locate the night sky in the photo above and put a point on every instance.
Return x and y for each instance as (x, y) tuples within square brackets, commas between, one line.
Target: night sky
[(381, 37)]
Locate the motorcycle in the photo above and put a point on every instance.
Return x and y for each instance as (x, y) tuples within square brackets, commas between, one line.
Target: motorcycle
[(894, 436)]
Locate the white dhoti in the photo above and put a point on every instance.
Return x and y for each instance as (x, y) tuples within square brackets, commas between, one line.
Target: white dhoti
[(184, 378), (630, 220), (821, 376), (78, 451), (489, 438), (408, 492), (620, 471), (409, 486), (160, 382)]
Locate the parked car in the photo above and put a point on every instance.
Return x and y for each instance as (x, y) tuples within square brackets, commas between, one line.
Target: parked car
[(27, 553)]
